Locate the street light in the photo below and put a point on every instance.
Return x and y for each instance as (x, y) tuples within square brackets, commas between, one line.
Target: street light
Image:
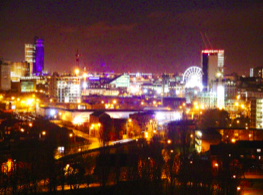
[(43, 133), (77, 71), (169, 141)]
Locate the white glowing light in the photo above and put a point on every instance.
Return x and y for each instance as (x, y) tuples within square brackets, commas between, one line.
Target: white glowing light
[(84, 85), (160, 116), (220, 96), (52, 112), (193, 77), (77, 120)]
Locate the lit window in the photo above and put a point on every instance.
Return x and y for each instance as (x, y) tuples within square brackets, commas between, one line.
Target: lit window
[(258, 150)]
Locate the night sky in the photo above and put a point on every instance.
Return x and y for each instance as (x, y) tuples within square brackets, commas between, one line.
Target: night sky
[(131, 36)]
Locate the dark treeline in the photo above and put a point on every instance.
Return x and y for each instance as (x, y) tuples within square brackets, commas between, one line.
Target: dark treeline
[(140, 167)]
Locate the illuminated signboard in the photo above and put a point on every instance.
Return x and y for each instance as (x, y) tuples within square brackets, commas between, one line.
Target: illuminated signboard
[(212, 51)]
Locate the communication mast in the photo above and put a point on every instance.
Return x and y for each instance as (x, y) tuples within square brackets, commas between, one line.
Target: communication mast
[(77, 58)]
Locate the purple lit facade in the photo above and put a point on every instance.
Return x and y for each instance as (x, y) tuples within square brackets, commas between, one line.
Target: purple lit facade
[(38, 64)]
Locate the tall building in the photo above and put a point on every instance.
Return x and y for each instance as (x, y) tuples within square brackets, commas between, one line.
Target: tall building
[(212, 63), (38, 64), (258, 72), (29, 55), (19, 69), (65, 89), (5, 80), (34, 55)]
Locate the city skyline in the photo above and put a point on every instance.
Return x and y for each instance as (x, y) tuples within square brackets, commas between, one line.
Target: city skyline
[(147, 36)]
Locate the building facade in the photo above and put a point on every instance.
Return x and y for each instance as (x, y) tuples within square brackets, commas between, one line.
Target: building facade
[(34, 55), (5, 79), (65, 89), (38, 64), (19, 69), (212, 63), (29, 55)]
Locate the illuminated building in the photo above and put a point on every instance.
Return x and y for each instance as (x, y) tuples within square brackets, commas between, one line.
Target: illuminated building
[(121, 81), (257, 113), (65, 89), (38, 62), (258, 72), (212, 63), (29, 55), (19, 69), (106, 86), (5, 79), (33, 83)]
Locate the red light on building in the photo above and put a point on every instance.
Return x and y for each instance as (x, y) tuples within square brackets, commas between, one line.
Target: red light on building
[(212, 51)]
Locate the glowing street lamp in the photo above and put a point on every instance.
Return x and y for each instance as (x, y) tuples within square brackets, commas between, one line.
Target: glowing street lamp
[(77, 72), (169, 141), (43, 133), (85, 75), (146, 134)]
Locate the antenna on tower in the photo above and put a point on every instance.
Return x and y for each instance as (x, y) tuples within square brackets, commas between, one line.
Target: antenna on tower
[(77, 58), (203, 39), (207, 38)]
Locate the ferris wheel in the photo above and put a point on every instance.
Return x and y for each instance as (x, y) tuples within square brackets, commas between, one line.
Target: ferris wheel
[(193, 77)]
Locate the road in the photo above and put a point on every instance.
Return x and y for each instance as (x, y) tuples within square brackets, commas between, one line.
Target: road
[(94, 142), (254, 184)]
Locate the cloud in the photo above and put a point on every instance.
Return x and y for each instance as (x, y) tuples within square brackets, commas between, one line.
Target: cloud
[(158, 15), (68, 29), (218, 19), (104, 29)]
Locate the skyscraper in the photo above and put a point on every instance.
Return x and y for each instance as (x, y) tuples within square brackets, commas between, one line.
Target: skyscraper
[(29, 55), (38, 64), (212, 64), (5, 80), (34, 55)]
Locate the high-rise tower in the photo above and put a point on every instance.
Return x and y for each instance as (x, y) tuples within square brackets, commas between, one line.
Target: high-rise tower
[(212, 64), (213, 73), (38, 64), (34, 55), (29, 55)]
